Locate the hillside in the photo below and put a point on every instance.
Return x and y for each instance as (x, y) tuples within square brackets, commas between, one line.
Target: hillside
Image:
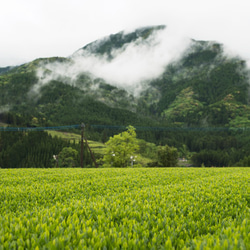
[(202, 87), (205, 87)]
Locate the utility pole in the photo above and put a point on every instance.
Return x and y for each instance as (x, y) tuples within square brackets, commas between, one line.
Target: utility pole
[(82, 134), (92, 155), (82, 138)]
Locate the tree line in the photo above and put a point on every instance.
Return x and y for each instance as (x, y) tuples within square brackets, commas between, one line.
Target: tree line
[(38, 149)]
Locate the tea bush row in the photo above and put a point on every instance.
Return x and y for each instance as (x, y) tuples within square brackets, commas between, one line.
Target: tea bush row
[(171, 208)]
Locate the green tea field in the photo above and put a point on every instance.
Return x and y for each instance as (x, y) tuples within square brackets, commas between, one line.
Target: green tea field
[(143, 208)]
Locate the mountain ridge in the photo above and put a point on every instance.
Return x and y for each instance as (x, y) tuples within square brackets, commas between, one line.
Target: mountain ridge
[(203, 70), (118, 40)]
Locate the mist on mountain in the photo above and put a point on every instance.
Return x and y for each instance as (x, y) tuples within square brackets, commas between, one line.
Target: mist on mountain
[(129, 66)]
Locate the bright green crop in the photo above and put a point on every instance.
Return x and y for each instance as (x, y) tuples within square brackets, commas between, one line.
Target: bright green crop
[(167, 208)]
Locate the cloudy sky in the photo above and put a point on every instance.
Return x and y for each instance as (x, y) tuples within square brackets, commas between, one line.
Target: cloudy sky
[(43, 28)]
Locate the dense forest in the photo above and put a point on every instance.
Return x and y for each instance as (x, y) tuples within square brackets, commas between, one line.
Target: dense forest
[(38, 149)]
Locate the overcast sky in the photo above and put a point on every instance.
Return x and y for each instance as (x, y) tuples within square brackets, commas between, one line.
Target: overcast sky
[(43, 28)]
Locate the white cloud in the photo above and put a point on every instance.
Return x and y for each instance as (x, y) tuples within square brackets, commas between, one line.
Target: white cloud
[(4, 109), (131, 67)]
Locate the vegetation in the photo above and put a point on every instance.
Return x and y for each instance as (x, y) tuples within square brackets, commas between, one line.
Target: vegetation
[(117, 41), (167, 156), (171, 208), (38, 149), (122, 149), (68, 157), (200, 101), (198, 110)]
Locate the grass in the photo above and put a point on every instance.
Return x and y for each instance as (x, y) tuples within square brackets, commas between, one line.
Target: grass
[(3, 124), (65, 135), (96, 147)]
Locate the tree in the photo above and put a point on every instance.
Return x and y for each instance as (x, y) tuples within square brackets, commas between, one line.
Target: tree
[(67, 157), (121, 149), (167, 156), (210, 158)]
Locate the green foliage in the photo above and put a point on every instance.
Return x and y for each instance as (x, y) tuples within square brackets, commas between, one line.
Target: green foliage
[(147, 149), (211, 78), (211, 158), (198, 58), (68, 157), (245, 162), (239, 123), (167, 156), (36, 150), (171, 208), (185, 106), (5, 70), (122, 149), (184, 152)]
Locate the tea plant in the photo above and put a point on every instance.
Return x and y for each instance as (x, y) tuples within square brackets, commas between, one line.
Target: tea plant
[(173, 208)]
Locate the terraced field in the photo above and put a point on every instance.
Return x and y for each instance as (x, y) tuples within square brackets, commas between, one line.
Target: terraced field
[(168, 208)]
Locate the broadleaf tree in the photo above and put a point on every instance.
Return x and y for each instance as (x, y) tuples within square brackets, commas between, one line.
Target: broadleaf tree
[(67, 157), (167, 156), (122, 149)]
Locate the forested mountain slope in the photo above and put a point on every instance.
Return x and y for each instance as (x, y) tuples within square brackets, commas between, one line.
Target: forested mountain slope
[(202, 87)]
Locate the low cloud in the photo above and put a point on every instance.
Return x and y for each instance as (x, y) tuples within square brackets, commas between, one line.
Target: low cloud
[(4, 109), (131, 68), (248, 64)]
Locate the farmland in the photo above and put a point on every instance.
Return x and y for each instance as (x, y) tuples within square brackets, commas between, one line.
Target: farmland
[(167, 208)]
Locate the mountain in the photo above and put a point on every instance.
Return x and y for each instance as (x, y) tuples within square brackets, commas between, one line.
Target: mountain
[(200, 87), (204, 88), (46, 88), (118, 41)]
